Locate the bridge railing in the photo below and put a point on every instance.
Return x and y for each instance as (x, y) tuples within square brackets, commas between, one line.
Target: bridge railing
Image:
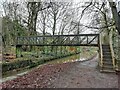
[(101, 51), (116, 47), (59, 40), (112, 48)]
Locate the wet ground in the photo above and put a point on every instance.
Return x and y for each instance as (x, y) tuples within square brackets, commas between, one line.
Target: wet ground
[(86, 75), (65, 75)]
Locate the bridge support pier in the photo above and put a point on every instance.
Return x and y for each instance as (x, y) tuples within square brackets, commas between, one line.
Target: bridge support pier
[(18, 50)]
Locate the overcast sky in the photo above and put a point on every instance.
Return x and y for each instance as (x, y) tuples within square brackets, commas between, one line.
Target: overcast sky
[(75, 1)]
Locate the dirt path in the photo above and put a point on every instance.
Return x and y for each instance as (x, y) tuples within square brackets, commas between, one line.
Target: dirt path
[(68, 75), (86, 75)]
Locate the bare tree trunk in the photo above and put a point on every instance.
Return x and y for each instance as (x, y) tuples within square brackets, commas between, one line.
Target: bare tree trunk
[(33, 9)]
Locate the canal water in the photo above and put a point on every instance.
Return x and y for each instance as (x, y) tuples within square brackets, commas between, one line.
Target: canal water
[(73, 58)]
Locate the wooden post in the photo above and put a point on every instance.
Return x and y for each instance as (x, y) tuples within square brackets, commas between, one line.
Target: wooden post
[(16, 52)]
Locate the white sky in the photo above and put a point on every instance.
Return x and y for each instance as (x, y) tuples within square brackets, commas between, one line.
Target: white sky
[(76, 1)]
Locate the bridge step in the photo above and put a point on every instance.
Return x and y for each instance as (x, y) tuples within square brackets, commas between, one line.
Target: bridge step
[(107, 63), (108, 66), (107, 57), (106, 53), (106, 49), (107, 60), (109, 71)]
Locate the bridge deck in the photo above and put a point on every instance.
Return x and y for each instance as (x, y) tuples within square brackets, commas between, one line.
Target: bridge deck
[(59, 40)]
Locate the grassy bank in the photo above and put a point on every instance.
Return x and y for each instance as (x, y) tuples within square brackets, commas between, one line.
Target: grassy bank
[(22, 63), (33, 59)]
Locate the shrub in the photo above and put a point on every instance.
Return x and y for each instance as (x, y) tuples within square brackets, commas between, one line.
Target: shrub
[(15, 65), (31, 63)]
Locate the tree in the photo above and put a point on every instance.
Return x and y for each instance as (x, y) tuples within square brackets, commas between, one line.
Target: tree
[(33, 9)]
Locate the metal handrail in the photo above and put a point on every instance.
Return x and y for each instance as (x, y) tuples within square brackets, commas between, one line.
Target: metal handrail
[(111, 48), (115, 49), (101, 51)]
